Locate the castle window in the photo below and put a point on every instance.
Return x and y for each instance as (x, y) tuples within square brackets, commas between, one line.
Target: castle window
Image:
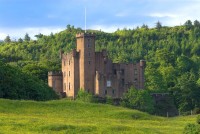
[(54, 84), (115, 71), (89, 62), (135, 72), (122, 82), (135, 79), (64, 74), (69, 86), (113, 91), (69, 73), (122, 71), (69, 62), (108, 83), (88, 45), (105, 92)]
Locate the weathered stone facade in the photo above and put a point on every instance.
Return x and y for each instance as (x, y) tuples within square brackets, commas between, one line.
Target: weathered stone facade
[(83, 68)]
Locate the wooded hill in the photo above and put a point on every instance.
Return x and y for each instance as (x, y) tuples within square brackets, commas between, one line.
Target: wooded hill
[(172, 56)]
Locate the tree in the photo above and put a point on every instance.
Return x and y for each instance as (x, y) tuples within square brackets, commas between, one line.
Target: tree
[(197, 24), (158, 25), (138, 99), (14, 84), (145, 27), (186, 92), (7, 39), (39, 36), (20, 40), (184, 64), (188, 24), (154, 78), (26, 37), (164, 56)]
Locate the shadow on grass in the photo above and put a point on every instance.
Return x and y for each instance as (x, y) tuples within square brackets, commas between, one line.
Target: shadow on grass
[(68, 128)]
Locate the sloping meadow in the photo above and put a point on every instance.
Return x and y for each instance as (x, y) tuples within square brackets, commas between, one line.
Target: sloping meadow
[(65, 116)]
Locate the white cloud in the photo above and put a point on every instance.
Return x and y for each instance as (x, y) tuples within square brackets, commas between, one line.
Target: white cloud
[(113, 28), (176, 15), (16, 33), (162, 15)]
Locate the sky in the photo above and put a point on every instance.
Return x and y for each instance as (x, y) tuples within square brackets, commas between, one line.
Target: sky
[(18, 17)]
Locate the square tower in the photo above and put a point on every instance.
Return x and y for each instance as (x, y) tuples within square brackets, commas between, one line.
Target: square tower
[(86, 48)]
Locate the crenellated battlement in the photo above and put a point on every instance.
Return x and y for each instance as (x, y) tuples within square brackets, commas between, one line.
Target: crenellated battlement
[(55, 73), (142, 63), (80, 35)]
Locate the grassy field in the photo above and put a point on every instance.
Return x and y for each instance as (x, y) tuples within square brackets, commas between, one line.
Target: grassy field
[(65, 116)]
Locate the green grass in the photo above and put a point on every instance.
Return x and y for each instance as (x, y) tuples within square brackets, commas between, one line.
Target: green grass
[(65, 116)]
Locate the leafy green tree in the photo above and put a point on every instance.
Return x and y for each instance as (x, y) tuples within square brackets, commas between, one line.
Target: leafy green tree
[(138, 99), (164, 57), (7, 39), (196, 24), (184, 64), (188, 24), (37, 70), (186, 92), (154, 79), (14, 84)]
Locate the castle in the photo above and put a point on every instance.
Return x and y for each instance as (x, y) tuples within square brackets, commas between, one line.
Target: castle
[(85, 69)]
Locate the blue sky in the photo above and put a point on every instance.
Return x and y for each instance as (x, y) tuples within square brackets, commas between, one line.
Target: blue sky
[(18, 17)]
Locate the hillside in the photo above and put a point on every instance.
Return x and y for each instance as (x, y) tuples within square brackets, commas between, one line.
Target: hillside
[(65, 116)]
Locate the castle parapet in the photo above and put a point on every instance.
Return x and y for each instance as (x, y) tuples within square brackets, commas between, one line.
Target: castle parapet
[(55, 73), (142, 63), (80, 35)]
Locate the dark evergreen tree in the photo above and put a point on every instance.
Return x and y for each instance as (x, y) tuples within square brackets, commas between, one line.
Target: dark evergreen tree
[(7, 39), (26, 37)]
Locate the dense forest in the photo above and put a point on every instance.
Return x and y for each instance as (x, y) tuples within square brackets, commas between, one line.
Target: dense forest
[(172, 55)]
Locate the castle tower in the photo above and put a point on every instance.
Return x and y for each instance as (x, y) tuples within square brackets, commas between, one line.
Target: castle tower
[(86, 49), (55, 81)]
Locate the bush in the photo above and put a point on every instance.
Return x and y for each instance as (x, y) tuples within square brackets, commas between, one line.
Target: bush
[(198, 119), (196, 111), (138, 99), (109, 100), (191, 129), (84, 96)]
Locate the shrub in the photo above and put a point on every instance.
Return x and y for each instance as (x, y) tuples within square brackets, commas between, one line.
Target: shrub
[(191, 129), (109, 100), (196, 111), (198, 119), (84, 96), (138, 99)]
